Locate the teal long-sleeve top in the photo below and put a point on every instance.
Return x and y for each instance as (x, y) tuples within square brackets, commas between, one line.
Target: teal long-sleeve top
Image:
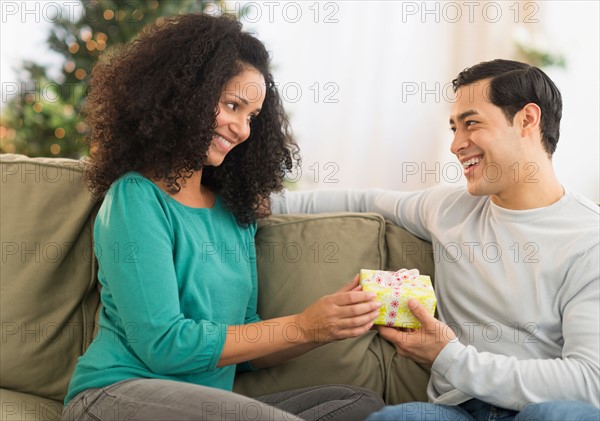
[(173, 278)]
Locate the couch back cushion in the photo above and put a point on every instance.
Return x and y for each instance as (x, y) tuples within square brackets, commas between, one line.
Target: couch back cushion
[(404, 250), (48, 295), (301, 258), (406, 381)]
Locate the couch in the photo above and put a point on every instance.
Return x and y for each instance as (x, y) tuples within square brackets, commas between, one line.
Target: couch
[(49, 298)]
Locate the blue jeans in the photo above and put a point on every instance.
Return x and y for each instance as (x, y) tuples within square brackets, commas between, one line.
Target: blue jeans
[(476, 410)]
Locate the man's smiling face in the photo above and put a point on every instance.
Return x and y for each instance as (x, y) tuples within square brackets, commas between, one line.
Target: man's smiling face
[(487, 146)]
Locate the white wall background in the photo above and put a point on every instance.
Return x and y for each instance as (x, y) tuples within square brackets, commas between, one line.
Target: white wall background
[(366, 82), (389, 64)]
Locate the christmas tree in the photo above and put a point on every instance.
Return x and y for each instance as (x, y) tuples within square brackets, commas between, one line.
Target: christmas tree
[(44, 117)]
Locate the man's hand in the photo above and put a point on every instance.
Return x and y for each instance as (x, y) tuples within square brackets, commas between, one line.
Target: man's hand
[(421, 345)]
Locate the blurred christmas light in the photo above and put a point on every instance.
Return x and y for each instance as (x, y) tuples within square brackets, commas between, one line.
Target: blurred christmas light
[(86, 35), (81, 127), (69, 66)]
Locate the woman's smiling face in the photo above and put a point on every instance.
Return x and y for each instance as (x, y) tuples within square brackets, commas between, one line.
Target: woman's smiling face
[(240, 102)]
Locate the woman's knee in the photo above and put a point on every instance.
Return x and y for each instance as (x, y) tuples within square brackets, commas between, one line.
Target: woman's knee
[(350, 403), (328, 402)]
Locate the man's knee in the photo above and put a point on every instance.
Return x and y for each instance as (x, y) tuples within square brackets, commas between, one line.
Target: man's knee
[(420, 411), (559, 411)]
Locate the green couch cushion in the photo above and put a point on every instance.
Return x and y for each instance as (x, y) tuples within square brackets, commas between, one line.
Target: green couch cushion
[(301, 258), (20, 407), (406, 381), (48, 295), (404, 250)]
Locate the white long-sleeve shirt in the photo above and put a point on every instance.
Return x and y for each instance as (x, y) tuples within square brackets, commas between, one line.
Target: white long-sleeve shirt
[(521, 289)]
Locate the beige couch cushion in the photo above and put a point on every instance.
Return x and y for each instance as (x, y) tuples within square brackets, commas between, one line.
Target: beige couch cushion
[(301, 258), (47, 278), (20, 407), (406, 381), (404, 250)]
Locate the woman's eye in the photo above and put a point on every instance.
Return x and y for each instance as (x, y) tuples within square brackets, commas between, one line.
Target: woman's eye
[(231, 105), (453, 129)]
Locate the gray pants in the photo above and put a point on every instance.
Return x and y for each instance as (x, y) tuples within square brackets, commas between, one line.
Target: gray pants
[(164, 400)]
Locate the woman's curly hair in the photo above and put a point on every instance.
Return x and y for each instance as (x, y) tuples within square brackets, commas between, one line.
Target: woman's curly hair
[(151, 107)]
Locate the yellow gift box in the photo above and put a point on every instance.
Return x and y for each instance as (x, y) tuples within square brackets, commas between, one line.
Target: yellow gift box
[(393, 290)]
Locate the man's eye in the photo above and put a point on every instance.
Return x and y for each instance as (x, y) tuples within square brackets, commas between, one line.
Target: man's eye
[(470, 123), (453, 129)]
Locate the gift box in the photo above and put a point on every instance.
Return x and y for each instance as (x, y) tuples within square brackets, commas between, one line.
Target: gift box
[(393, 290)]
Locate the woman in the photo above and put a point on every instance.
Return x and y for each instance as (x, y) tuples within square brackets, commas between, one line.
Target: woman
[(188, 139)]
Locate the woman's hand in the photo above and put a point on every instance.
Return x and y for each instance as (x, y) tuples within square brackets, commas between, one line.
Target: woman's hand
[(346, 313)]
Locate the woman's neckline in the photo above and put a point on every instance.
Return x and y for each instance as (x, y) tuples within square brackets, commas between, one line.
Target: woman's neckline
[(189, 203)]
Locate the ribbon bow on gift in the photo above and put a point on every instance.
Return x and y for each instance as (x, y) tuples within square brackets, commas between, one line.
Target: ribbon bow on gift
[(394, 279)]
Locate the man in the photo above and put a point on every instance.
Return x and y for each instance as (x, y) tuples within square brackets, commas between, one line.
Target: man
[(518, 279)]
